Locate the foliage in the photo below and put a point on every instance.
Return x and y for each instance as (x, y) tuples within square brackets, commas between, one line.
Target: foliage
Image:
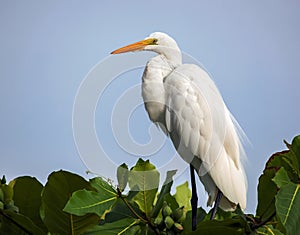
[(278, 190), (68, 204)]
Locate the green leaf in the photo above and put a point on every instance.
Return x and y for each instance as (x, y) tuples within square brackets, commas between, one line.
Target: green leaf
[(287, 207), (183, 196), (291, 159), (144, 229), (166, 188), (296, 147), (102, 186), (27, 197), (295, 150), (8, 193), (56, 193), (144, 176), (132, 193), (171, 201), (122, 176), (220, 215), (83, 202), (187, 224), (3, 180), (281, 178), (234, 226), (118, 212), (15, 223), (121, 227), (267, 190), (121, 211), (268, 230), (288, 161)]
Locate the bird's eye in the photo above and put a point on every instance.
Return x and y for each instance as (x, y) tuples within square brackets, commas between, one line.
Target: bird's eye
[(154, 41)]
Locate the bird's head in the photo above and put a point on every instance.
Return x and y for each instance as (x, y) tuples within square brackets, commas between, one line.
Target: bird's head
[(158, 42)]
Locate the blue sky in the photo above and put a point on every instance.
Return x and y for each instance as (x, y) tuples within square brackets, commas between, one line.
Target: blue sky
[(251, 49)]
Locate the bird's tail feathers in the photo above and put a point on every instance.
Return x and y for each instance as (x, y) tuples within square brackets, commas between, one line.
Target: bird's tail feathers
[(243, 139)]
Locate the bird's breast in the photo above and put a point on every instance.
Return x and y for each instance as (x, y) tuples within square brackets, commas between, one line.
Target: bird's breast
[(154, 100), (155, 111)]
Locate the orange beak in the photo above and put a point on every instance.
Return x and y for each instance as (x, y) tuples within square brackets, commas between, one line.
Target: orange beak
[(137, 46)]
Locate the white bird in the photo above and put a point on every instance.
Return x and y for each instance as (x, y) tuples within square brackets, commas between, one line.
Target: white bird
[(187, 105)]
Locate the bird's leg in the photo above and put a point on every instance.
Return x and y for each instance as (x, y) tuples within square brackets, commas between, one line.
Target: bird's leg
[(217, 202), (194, 199)]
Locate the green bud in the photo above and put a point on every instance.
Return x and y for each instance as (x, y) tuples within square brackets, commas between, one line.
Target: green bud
[(10, 205), (158, 220), (1, 205), (166, 211), (177, 213), (178, 227), (169, 222), (14, 209), (182, 218), (160, 223)]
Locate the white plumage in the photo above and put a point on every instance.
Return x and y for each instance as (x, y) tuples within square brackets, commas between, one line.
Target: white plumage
[(186, 103)]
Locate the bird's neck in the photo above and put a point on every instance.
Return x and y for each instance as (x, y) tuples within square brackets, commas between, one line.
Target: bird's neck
[(153, 90), (171, 56)]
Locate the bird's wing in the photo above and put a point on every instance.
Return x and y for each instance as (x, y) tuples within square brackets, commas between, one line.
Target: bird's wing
[(200, 125)]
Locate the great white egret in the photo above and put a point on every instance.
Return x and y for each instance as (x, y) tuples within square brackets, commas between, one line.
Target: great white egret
[(184, 101)]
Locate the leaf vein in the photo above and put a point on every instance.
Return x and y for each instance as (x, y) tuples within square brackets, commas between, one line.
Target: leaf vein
[(291, 204), (96, 204)]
